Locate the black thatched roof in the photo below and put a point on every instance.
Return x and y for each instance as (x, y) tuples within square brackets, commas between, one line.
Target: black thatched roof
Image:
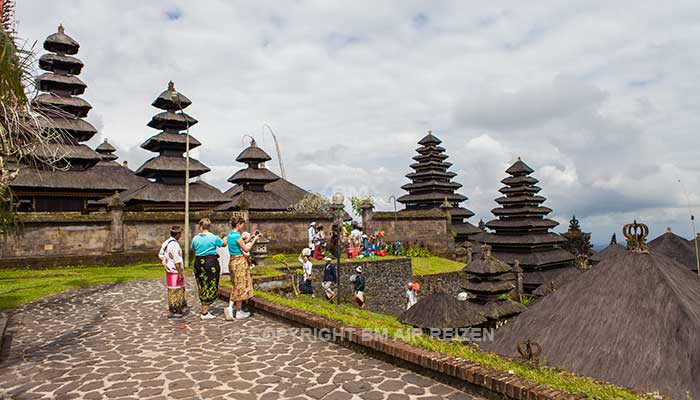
[(159, 166), (497, 310), (53, 62), (49, 102), (154, 194), (169, 141), (442, 311), (255, 201), (59, 42), (107, 176), (675, 247), (523, 233), (611, 250), (170, 99), (634, 320), (431, 185), (284, 189)]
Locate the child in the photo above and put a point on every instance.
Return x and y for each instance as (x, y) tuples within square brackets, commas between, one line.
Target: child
[(412, 294), (245, 236), (359, 287)]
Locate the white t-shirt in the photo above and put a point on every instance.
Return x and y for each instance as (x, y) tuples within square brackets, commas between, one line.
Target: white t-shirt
[(355, 234), (412, 298), (170, 254), (307, 267)]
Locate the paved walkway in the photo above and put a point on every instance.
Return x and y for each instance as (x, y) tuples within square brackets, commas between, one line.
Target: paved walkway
[(113, 341)]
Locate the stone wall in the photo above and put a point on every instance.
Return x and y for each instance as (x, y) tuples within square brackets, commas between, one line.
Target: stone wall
[(116, 237), (385, 288), (428, 228), (449, 282)]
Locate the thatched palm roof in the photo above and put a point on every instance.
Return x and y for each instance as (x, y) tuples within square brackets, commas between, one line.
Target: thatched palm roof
[(612, 249), (675, 247), (633, 320), (442, 311)]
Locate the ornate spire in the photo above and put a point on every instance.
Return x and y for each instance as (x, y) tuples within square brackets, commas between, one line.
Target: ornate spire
[(636, 235)]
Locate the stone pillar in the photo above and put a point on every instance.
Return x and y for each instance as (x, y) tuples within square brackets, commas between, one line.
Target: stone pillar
[(116, 242), (367, 211)]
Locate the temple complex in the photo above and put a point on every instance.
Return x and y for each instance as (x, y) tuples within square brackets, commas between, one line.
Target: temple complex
[(75, 181), (166, 171), (522, 233), (432, 187)]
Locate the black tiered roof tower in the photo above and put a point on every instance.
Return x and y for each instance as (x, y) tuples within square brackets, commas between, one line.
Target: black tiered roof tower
[(253, 180), (522, 231), (167, 170), (80, 180), (431, 186), (61, 86)]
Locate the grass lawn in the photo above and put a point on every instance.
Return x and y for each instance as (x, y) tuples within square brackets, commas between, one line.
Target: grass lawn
[(19, 286), (352, 316), (434, 265)]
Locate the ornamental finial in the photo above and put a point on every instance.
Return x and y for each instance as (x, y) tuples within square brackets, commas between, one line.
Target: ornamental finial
[(636, 235), (61, 29)]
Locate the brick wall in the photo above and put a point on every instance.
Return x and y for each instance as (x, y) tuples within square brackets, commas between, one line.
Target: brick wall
[(117, 236), (429, 228)]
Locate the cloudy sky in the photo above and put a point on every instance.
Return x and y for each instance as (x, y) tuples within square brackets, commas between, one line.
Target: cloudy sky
[(600, 98)]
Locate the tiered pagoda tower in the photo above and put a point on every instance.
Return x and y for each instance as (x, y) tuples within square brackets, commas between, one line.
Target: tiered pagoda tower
[(76, 182), (489, 277), (167, 169), (252, 182), (431, 186), (522, 233), (578, 242)]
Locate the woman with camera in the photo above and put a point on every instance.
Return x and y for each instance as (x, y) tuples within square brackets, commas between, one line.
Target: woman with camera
[(241, 281)]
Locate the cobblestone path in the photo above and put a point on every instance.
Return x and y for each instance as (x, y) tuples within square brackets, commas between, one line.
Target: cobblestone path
[(113, 341)]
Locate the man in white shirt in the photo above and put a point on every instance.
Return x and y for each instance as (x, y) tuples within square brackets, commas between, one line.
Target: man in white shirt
[(170, 255), (312, 234), (305, 286)]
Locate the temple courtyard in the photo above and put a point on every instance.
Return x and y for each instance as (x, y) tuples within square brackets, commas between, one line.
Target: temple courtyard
[(113, 341)]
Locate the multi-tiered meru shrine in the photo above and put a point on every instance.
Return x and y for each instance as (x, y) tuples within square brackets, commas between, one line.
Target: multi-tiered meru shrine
[(166, 190), (522, 233), (75, 181), (432, 186)]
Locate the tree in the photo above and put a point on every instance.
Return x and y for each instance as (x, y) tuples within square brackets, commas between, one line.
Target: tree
[(22, 130), (312, 204)]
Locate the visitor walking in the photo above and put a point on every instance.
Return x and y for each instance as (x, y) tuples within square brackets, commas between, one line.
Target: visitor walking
[(170, 255), (305, 286), (241, 281), (359, 281), (330, 278), (355, 236), (206, 265)]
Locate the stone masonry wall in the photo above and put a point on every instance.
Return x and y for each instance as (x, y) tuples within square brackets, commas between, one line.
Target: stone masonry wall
[(428, 228), (450, 282), (116, 237), (385, 288)]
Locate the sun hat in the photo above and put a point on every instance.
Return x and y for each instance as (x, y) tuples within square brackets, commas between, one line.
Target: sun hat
[(313, 224), (327, 259), (306, 251), (358, 269)]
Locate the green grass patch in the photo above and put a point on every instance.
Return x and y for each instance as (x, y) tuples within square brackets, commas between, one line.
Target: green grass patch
[(434, 265), (352, 316), (21, 285)]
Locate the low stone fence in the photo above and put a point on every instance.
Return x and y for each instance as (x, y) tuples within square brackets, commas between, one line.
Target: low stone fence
[(118, 237), (385, 287), (431, 228)]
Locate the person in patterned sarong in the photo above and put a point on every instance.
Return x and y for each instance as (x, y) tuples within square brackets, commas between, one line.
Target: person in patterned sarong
[(206, 265), (171, 256), (241, 281)]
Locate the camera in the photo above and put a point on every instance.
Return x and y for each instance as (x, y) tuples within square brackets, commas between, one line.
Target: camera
[(256, 233)]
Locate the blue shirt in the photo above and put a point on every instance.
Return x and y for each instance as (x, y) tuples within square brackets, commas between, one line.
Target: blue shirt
[(205, 244), (233, 248)]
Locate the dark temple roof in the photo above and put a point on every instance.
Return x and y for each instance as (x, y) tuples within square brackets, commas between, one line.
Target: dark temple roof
[(442, 311), (675, 247), (632, 309)]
